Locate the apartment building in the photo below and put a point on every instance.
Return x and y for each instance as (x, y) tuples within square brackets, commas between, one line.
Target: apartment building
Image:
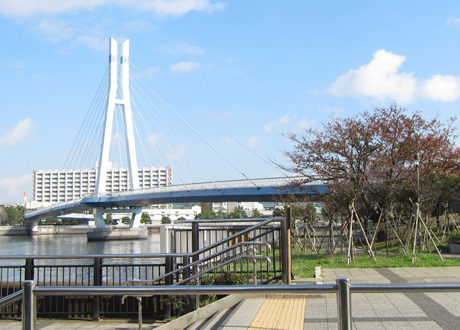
[(55, 186)]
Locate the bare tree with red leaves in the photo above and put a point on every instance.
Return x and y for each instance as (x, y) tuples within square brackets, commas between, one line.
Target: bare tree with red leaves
[(369, 159)]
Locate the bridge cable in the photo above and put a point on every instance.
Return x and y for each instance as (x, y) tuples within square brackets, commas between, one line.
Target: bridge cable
[(199, 135), (92, 154), (169, 128), (219, 127), (77, 145)]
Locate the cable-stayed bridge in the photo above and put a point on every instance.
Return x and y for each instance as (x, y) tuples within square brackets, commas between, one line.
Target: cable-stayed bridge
[(118, 103), (264, 190)]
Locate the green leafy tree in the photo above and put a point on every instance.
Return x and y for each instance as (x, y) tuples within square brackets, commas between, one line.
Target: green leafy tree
[(145, 218), (109, 220), (256, 214), (206, 212), (126, 220), (238, 213), (278, 212), (3, 217), (165, 219), (15, 214)]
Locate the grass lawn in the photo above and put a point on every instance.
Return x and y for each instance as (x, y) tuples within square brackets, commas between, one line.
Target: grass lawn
[(303, 265)]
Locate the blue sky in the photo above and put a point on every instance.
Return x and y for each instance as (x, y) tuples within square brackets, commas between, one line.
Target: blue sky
[(257, 69)]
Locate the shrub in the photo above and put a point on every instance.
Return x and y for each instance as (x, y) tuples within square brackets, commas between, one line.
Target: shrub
[(455, 236)]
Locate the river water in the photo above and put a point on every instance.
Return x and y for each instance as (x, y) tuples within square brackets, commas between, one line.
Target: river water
[(73, 244)]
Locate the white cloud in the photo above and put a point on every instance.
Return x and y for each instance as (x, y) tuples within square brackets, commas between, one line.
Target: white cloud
[(182, 48), (152, 140), (184, 66), (173, 152), (92, 42), (16, 133), (54, 30), (228, 140), (15, 64), (288, 123), (332, 109), (15, 186), (287, 118), (149, 72), (453, 20), (170, 152), (253, 142), (159, 7), (441, 88), (381, 79)]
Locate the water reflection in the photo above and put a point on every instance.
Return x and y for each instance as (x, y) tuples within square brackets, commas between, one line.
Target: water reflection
[(74, 245)]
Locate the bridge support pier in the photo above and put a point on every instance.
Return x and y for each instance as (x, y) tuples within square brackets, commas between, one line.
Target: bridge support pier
[(104, 233), (98, 214)]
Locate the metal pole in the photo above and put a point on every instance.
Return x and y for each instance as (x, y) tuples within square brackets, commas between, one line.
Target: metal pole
[(97, 280), (168, 282), (139, 312), (343, 304), (29, 311), (286, 246)]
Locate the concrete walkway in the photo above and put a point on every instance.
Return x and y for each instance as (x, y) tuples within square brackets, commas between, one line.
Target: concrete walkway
[(390, 311), (370, 311)]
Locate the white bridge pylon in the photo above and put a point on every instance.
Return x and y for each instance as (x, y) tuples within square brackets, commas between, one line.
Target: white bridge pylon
[(118, 100)]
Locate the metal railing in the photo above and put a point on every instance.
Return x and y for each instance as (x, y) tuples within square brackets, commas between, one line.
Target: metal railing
[(207, 257), (209, 237), (343, 288)]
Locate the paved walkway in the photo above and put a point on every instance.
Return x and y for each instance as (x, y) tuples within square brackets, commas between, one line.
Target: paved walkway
[(390, 311), (370, 311)]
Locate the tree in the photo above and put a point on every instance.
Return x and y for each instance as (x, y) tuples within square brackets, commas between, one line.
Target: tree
[(237, 213), (165, 219), (145, 218), (369, 160), (109, 221), (3, 216), (126, 220), (206, 212), (278, 212), (256, 214), (15, 214)]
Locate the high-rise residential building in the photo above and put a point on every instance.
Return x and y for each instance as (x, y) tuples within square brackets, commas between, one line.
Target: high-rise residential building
[(55, 186)]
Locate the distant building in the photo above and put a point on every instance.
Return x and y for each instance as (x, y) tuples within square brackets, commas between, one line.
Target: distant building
[(56, 186)]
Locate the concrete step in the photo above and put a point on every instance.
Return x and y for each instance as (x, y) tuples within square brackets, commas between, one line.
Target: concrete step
[(206, 317), (214, 321)]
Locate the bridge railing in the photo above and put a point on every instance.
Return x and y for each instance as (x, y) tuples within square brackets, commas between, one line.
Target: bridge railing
[(269, 182), (78, 204)]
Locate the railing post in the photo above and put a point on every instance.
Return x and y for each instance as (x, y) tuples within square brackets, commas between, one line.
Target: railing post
[(285, 246), (29, 306), (343, 304), (186, 262), (195, 244), (97, 280), (168, 281), (29, 270)]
